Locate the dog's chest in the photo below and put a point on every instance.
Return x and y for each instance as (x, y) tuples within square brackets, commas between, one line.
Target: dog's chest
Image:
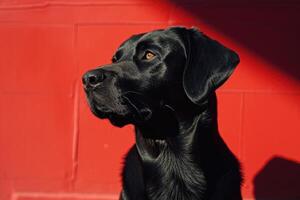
[(174, 177)]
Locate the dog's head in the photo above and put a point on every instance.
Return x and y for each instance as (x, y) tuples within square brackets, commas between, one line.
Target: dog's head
[(149, 71)]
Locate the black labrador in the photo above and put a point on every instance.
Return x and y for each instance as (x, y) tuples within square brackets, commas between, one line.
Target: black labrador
[(163, 82)]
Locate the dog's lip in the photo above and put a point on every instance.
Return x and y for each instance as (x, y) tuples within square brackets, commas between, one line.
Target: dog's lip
[(101, 112), (98, 110), (141, 112), (101, 108)]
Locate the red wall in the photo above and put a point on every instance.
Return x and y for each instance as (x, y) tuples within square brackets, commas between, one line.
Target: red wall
[(53, 148)]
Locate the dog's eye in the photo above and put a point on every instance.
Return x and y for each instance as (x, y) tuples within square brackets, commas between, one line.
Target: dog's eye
[(149, 55)]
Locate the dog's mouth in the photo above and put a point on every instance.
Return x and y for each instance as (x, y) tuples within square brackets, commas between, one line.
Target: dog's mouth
[(104, 113), (136, 102), (97, 109), (136, 112)]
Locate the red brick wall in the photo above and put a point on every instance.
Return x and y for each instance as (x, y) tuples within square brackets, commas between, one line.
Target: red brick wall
[(53, 148)]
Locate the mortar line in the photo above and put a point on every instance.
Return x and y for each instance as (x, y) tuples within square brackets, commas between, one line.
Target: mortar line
[(58, 195), (75, 142), (241, 139)]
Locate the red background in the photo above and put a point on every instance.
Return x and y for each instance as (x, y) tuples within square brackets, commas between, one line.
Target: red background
[(53, 148)]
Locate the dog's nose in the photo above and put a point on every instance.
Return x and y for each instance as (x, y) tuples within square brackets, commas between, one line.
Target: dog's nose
[(93, 78)]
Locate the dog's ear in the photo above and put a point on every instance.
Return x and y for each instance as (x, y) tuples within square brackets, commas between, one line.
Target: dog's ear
[(208, 65)]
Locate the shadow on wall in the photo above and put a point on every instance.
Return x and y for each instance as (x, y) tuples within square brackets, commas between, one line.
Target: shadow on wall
[(279, 179), (272, 32)]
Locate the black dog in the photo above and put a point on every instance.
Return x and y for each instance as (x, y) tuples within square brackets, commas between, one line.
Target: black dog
[(164, 83)]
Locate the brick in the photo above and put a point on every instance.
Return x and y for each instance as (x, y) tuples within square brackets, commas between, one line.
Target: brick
[(154, 13), (230, 107), (268, 62), (37, 59), (18, 3), (5, 189), (233, 13), (63, 196), (90, 13), (271, 128), (36, 137)]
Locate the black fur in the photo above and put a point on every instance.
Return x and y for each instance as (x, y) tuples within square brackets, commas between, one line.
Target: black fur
[(170, 99)]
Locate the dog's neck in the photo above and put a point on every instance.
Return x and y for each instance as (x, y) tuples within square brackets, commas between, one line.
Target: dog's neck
[(172, 139), (169, 125)]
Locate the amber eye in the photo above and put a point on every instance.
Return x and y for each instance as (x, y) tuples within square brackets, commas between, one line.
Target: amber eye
[(149, 55)]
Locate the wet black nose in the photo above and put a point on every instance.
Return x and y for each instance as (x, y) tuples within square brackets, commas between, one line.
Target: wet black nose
[(93, 78)]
